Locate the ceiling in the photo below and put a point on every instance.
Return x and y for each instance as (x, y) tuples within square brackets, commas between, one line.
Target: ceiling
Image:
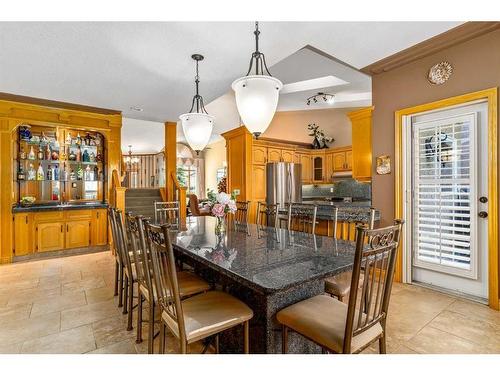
[(119, 65)]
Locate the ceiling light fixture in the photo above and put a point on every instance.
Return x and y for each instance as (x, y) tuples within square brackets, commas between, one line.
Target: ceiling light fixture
[(137, 109), (197, 125), (321, 96), (257, 94)]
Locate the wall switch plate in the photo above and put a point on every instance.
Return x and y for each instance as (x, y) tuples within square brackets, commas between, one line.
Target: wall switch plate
[(331, 190), (236, 191)]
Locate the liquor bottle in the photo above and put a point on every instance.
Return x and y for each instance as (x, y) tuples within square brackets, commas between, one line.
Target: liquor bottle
[(85, 156), (72, 156), (22, 154), (98, 157), (79, 172), (72, 175), (49, 173), (87, 173), (55, 192), (31, 154), (96, 173), (56, 173), (39, 173), (31, 173), (79, 154), (40, 152), (48, 153), (21, 176), (68, 139), (54, 155), (78, 139), (92, 157)]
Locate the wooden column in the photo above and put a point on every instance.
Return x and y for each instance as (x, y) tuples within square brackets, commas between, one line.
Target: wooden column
[(170, 158)]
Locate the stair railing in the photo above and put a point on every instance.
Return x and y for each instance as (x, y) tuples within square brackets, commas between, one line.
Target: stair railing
[(179, 195)]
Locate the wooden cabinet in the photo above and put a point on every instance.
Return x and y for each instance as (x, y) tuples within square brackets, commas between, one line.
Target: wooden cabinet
[(49, 236), (306, 161), (342, 160), (318, 166), (361, 157), (259, 155), (287, 155), (348, 160), (273, 155), (259, 185), (58, 230), (77, 233), (99, 228), (23, 240)]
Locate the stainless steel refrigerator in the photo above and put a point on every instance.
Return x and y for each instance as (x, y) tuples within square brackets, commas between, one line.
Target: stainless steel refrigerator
[(284, 183)]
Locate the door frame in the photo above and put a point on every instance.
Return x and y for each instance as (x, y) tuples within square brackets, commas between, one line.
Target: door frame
[(491, 96)]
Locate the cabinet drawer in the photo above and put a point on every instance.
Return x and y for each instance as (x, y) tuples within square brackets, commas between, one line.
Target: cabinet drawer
[(78, 214), (48, 216)]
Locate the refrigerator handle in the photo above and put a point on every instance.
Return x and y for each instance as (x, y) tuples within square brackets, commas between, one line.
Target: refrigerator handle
[(289, 186)]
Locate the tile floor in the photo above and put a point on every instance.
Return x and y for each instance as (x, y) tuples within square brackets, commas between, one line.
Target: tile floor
[(66, 305)]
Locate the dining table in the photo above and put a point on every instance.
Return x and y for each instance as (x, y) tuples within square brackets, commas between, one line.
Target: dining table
[(268, 268)]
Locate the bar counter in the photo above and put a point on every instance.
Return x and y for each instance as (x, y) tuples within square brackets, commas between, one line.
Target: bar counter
[(59, 207)]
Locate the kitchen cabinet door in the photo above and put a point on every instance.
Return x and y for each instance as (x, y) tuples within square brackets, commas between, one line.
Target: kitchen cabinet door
[(259, 154), (339, 161), (99, 228), (287, 155), (317, 165), (348, 160), (50, 236), (306, 162), (77, 233), (259, 182), (22, 234), (273, 155), (328, 167)]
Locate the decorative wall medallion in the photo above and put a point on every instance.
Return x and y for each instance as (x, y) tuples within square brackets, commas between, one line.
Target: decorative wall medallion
[(383, 164), (440, 73)]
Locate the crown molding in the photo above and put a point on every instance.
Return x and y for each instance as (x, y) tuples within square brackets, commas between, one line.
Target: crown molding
[(457, 35)]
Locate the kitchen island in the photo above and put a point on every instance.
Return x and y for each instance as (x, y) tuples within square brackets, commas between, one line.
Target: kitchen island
[(267, 268)]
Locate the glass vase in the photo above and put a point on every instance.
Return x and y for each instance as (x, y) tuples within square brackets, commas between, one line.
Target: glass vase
[(220, 227)]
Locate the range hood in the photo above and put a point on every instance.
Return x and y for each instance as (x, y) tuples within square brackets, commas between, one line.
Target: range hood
[(337, 176)]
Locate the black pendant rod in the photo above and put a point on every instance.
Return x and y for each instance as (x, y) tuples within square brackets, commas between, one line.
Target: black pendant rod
[(197, 98), (260, 59)]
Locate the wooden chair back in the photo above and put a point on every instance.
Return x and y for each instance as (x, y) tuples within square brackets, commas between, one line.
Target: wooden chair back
[(135, 232), (302, 217), (241, 214), (375, 258), (194, 205), (267, 214), (165, 276), (167, 213)]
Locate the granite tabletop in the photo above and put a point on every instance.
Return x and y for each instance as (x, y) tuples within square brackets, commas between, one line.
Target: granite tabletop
[(59, 207), (266, 259)]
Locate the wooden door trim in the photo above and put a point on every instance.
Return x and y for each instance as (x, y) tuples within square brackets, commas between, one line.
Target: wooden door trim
[(491, 95)]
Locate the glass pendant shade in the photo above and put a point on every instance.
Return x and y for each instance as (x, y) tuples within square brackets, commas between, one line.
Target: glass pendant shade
[(257, 100), (197, 129)]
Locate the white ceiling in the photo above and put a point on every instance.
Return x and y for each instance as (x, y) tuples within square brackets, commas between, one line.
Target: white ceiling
[(119, 65)]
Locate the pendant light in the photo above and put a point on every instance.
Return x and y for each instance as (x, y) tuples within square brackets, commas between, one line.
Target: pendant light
[(257, 94), (197, 124)]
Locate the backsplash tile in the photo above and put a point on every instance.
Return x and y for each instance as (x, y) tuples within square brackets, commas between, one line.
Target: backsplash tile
[(344, 188)]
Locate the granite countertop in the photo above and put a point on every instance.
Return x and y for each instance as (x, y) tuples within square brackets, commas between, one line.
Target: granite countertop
[(266, 259), (59, 207), (348, 211)]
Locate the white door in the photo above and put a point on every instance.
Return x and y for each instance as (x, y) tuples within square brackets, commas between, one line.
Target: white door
[(449, 199)]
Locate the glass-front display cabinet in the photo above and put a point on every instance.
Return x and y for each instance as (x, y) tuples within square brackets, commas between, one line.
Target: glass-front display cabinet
[(57, 165)]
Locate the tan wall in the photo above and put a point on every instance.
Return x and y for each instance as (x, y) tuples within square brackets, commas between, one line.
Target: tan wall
[(476, 66), (292, 126), (215, 156)]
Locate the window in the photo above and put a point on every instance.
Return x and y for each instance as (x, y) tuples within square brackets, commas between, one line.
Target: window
[(188, 177)]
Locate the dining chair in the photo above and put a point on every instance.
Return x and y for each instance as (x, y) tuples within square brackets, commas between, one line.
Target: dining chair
[(302, 217), (194, 207), (241, 214), (129, 267), (118, 279), (189, 283), (167, 213), (339, 285), (267, 214), (198, 317), (350, 328)]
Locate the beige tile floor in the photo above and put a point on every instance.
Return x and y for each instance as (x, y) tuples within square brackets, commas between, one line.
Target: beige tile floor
[(66, 305)]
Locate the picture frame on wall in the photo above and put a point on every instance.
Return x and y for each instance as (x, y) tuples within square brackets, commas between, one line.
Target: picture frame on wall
[(383, 164)]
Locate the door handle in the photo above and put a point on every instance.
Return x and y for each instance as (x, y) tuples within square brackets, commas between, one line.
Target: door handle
[(483, 214), (483, 200)]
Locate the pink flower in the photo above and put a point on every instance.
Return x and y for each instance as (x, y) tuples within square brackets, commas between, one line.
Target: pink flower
[(232, 206), (218, 210)]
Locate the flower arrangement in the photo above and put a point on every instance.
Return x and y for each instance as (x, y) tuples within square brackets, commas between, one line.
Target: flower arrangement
[(220, 205)]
